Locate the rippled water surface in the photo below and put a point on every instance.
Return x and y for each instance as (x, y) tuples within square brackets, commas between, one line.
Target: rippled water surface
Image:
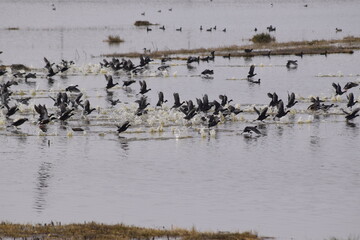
[(299, 179)]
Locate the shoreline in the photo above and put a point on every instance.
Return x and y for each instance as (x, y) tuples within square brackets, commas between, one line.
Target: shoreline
[(94, 231), (347, 45)]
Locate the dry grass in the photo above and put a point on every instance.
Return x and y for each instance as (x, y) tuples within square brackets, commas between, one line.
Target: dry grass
[(12, 28), (345, 45), (114, 39), (262, 38), (142, 23), (96, 231)]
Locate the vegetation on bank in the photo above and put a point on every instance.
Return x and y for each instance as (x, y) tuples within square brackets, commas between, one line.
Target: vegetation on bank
[(262, 38), (96, 231), (112, 39), (345, 45), (142, 23)]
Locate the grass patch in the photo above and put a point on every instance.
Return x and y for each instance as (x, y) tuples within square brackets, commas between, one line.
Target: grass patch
[(143, 23), (96, 231), (12, 28), (114, 39), (262, 38)]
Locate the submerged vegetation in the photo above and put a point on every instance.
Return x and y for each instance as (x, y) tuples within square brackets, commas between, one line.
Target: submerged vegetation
[(119, 231), (262, 38), (112, 39)]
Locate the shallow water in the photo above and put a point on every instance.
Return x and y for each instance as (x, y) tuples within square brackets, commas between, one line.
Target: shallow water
[(300, 179)]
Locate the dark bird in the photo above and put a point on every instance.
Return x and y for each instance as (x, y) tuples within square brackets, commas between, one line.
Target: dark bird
[(351, 101), (262, 115), (161, 100), (2, 72), (29, 75), (148, 29), (19, 122), (123, 127), (162, 28), (44, 117), (351, 115), (127, 83), (251, 71), (349, 85), (177, 102), (224, 100), (281, 112), (291, 100), (213, 121), (207, 72), (72, 88), (251, 129), (66, 115), (338, 90), (114, 102), (87, 109), (179, 29), (316, 104), (291, 64), (190, 114), (110, 82), (191, 59), (254, 81), (274, 99), (142, 106), (11, 110), (248, 50), (143, 87)]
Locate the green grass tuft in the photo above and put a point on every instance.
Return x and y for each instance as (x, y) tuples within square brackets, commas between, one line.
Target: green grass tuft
[(262, 38)]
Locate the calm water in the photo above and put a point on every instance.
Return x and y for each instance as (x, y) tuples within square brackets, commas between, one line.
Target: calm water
[(300, 179)]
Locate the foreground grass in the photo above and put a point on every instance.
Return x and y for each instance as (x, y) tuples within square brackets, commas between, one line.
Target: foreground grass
[(96, 231), (345, 45)]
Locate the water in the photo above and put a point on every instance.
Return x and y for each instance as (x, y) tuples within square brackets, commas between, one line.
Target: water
[(300, 179)]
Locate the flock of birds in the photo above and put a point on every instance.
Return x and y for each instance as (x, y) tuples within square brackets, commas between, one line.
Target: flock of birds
[(70, 102)]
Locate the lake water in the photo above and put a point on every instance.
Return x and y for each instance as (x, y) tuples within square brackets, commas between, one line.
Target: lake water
[(300, 179)]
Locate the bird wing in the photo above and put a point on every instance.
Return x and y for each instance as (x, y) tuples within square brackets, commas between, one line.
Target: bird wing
[(252, 68), (257, 111)]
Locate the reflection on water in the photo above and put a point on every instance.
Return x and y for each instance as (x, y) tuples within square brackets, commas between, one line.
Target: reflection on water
[(298, 179), (43, 178)]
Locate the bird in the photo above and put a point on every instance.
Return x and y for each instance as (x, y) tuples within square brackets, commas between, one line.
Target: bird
[(274, 99), (143, 87), (127, 83), (177, 102), (11, 110), (261, 114), (87, 109), (291, 64), (207, 72), (190, 114), (224, 100), (29, 75), (291, 100), (213, 121), (66, 115), (179, 29), (248, 50), (349, 85), (110, 82), (254, 81), (123, 127), (351, 115), (351, 101), (162, 28), (161, 100), (338, 90), (114, 102), (281, 112), (148, 29), (19, 122), (191, 59), (251, 129), (72, 88), (338, 30), (251, 71)]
